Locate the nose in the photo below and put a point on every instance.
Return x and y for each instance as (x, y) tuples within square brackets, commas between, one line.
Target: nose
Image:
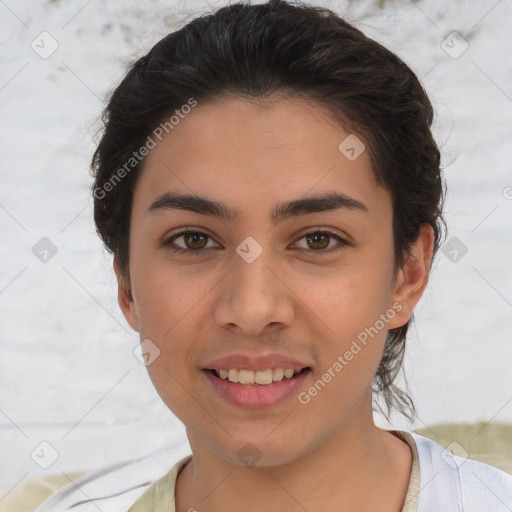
[(254, 295)]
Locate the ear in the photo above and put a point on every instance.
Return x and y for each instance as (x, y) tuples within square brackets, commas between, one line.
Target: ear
[(124, 297), (412, 278)]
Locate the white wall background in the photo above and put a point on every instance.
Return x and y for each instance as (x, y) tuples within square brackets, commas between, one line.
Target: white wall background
[(68, 375)]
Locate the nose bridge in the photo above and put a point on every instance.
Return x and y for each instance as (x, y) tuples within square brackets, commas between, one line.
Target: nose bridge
[(253, 282), (253, 295)]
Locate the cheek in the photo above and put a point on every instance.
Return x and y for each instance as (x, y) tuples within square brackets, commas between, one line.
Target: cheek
[(354, 308), (351, 350), (169, 315), (168, 318), (165, 293), (170, 303), (349, 299)]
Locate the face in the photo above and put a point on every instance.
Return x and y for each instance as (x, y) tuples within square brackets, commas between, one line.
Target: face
[(263, 288)]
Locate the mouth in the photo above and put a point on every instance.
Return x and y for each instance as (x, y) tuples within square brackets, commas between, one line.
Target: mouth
[(257, 378), (259, 389)]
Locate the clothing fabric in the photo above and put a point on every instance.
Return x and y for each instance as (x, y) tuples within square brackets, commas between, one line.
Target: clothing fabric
[(439, 482)]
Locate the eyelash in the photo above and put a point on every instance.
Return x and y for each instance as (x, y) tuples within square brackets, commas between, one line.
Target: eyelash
[(191, 252)]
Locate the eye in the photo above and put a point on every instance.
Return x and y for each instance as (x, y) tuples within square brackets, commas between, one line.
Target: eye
[(194, 241), (317, 241)]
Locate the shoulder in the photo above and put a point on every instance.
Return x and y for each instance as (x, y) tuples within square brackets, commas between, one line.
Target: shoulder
[(31, 493), (115, 488), (452, 482)]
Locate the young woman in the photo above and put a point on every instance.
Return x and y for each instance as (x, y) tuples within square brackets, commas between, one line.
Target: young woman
[(270, 189)]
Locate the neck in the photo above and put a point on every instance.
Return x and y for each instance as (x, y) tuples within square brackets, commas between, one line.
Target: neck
[(361, 467)]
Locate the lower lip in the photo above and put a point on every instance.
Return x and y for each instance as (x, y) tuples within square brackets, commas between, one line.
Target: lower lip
[(256, 397)]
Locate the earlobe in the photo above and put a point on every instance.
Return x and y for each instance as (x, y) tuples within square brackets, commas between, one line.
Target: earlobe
[(124, 297), (413, 277)]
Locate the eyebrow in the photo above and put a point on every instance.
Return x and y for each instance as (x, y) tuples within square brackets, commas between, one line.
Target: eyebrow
[(281, 212)]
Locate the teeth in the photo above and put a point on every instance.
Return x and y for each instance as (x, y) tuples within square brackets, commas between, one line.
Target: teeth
[(246, 377), (277, 374), (261, 377)]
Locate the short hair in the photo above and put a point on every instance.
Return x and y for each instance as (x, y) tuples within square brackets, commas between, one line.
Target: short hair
[(282, 49)]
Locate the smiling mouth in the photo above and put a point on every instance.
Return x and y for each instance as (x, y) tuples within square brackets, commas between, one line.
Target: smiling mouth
[(257, 378)]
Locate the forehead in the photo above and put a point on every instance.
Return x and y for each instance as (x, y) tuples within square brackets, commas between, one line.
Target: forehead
[(245, 153)]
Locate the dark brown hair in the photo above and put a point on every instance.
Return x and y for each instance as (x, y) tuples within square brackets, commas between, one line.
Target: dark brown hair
[(280, 49)]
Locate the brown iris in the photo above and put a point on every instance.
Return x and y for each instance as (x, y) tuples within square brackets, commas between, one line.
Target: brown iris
[(195, 238), (315, 238)]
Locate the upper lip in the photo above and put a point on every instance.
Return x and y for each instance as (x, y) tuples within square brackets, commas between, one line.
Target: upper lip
[(254, 363)]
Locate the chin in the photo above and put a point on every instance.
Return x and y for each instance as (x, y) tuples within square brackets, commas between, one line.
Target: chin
[(259, 451)]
